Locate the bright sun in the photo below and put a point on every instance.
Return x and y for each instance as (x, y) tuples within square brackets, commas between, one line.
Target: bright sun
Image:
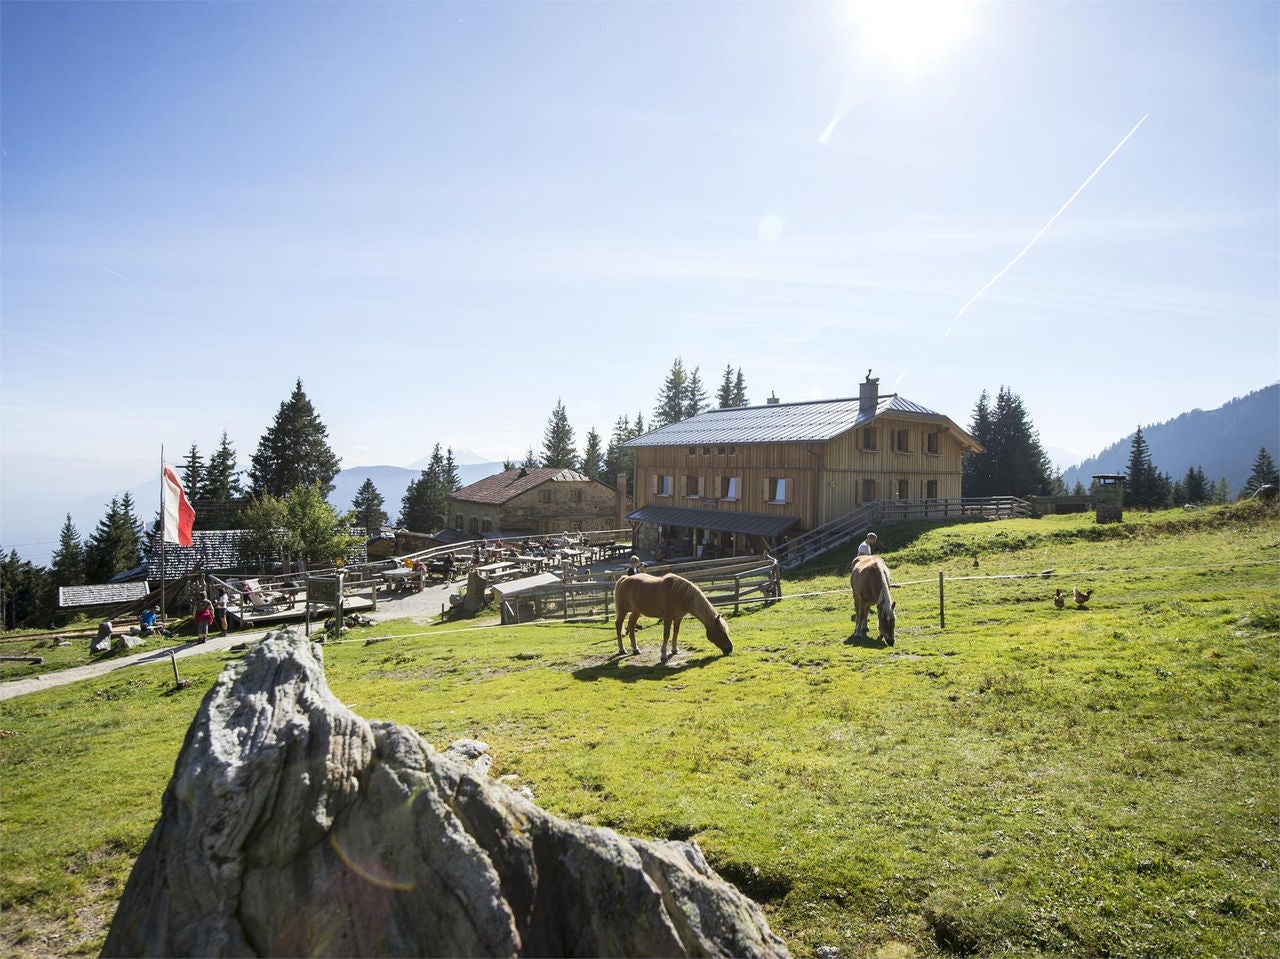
[(909, 36)]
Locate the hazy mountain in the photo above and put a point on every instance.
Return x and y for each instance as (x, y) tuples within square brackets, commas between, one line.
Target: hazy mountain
[(1223, 442), (1062, 459), (392, 481)]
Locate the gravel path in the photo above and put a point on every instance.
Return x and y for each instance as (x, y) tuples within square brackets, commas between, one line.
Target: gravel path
[(420, 607)]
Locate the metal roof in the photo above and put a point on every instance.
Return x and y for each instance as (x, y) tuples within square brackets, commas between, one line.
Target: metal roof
[(726, 521), (101, 595), (816, 421)]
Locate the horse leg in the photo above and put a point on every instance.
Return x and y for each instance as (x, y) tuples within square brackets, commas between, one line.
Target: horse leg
[(618, 626), (675, 634), (860, 619), (666, 634), (631, 631)]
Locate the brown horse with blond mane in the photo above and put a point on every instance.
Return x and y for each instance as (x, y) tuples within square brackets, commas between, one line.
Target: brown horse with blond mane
[(669, 598), (869, 579)]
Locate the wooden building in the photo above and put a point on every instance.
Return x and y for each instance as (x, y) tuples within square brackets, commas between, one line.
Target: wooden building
[(530, 501), (736, 480)]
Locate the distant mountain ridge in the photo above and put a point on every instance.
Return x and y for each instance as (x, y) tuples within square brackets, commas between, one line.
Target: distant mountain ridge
[(1223, 442), (392, 481)]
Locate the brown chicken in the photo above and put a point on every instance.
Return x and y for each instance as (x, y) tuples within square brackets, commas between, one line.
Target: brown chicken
[(1080, 597), (1059, 600)]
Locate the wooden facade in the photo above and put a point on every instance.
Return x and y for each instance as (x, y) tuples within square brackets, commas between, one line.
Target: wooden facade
[(534, 501), (877, 448)]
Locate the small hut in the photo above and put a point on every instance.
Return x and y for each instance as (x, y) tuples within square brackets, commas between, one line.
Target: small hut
[(1108, 497)]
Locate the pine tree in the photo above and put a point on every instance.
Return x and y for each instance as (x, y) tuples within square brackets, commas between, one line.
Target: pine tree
[(1013, 462), (695, 395), (1195, 487), (557, 441), (452, 481), (115, 545), (294, 451), (978, 477), (425, 506), (724, 395), (671, 398), (1264, 472), (26, 590), (1142, 482), (221, 479), (592, 456), (192, 471), (1221, 491), (67, 564), (740, 390), (530, 460), (367, 504)]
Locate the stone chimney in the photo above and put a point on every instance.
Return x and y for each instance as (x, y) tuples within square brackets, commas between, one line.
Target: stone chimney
[(773, 399), (868, 394)]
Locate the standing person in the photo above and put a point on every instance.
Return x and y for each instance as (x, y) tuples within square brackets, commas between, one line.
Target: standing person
[(864, 548), (222, 610), (635, 566), (204, 616)]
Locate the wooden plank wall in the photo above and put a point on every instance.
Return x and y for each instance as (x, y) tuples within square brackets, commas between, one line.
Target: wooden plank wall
[(824, 480)]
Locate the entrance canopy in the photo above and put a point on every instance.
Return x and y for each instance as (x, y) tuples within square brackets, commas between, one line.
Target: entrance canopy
[(721, 521)]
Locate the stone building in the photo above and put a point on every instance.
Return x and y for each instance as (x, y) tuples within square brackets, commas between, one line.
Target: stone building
[(534, 500)]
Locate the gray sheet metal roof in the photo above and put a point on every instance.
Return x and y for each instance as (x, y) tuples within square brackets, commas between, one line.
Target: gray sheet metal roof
[(112, 594), (726, 521), (816, 421)]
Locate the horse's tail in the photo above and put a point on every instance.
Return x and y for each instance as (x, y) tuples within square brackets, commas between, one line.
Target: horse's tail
[(621, 595), (886, 580)]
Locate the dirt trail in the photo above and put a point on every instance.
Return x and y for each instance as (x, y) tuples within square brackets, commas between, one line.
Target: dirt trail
[(419, 607)]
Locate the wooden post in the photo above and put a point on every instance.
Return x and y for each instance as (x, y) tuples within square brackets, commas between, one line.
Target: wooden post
[(942, 603)]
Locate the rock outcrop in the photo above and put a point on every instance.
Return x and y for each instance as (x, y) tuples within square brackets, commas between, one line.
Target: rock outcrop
[(293, 826)]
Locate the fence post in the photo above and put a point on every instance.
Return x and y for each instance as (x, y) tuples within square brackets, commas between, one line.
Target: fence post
[(942, 603)]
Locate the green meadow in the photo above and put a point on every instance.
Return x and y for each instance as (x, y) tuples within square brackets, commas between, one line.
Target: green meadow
[(1027, 781)]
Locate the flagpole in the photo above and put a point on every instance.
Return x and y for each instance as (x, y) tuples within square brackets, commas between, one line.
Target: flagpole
[(162, 533)]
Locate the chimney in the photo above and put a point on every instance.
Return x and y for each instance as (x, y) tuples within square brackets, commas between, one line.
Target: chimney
[(868, 394), (772, 400)]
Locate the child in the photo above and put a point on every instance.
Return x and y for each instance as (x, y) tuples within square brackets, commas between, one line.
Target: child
[(204, 616)]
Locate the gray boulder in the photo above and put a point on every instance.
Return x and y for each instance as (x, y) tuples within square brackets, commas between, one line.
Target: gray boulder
[(293, 826)]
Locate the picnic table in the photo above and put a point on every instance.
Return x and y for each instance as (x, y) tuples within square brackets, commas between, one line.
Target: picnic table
[(496, 570), (529, 561), (402, 577)]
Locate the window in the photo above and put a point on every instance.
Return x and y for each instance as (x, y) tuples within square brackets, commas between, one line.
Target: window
[(544, 496), (662, 486), (902, 441), (776, 489), (575, 496), (931, 489), (692, 486), (719, 451), (868, 491), (692, 450), (869, 438), (733, 451), (728, 487), (486, 526), (706, 450), (902, 489), (931, 443), (475, 524), (459, 522)]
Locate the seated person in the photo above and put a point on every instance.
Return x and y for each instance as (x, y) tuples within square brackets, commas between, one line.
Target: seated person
[(148, 624)]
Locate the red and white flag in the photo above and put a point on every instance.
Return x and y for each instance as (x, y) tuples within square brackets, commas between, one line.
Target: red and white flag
[(178, 514)]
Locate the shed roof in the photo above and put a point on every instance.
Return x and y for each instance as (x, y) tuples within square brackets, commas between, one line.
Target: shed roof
[(725, 521), (815, 421), (506, 486), (107, 594)]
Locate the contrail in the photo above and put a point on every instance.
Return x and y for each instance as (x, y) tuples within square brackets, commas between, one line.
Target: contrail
[(113, 272), (1009, 266)]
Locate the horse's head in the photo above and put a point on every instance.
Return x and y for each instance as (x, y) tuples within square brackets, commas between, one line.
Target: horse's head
[(888, 619), (718, 633)]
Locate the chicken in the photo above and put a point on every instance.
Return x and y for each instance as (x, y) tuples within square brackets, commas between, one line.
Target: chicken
[(1058, 599), (975, 562), (1080, 597)]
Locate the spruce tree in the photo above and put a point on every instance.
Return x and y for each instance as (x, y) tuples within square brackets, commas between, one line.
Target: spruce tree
[(221, 479), (740, 390), (1264, 472), (1142, 482), (530, 461), (557, 441), (367, 504), (424, 508), (724, 395), (671, 398), (1013, 462), (452, 481), (294, 451), (977, 475), (67, 564), (592, 456), (26, 590), (695, 395), (192, 471), (115, 545)]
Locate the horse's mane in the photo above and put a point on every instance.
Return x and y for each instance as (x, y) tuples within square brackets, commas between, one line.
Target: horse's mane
[(693, 599)]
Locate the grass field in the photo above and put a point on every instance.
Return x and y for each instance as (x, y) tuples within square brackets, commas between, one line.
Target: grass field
[(1026, 781)]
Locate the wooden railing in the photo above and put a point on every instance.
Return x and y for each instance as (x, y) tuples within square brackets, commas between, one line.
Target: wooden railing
[(852, 526)]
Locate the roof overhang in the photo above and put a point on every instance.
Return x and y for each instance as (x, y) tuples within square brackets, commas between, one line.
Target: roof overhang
[(723, 521)]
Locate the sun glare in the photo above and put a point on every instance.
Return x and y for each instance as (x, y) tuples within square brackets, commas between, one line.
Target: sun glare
[(910, 37)]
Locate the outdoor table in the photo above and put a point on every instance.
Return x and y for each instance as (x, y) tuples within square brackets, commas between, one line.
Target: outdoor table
[(535, 563), (490, 570), (400, 577)]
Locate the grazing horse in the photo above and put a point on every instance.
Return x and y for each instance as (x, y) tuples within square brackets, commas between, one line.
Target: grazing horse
[(669, 598), (869, 579)]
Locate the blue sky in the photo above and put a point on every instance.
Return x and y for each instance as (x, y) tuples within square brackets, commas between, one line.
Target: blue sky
[(445, 218)]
